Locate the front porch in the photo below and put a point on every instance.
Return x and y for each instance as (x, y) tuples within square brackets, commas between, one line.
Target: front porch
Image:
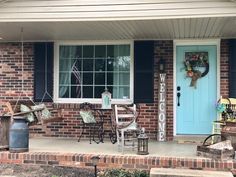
[(69, 152)]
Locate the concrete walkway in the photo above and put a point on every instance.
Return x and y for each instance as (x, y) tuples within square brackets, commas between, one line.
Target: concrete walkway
[(160, 149), (165, 172)]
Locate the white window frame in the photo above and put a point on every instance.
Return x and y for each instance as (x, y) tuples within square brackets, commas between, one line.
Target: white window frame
[(91, 100)]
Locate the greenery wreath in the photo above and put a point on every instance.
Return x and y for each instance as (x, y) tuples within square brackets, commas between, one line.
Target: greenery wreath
[(194, 60)]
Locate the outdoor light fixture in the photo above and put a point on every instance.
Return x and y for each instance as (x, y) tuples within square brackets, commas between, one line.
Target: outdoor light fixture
[(95, 160), (162, 65), (143, 143)]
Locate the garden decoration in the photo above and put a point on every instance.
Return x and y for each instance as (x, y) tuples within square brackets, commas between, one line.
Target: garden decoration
[(227, 110), (220, 107), (193, 62)]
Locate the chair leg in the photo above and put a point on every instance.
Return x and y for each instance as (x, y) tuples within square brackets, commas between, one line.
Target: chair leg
[(81, 132), (90, 134), (94, 130), (118, 140), (122, 141), (101, 133)]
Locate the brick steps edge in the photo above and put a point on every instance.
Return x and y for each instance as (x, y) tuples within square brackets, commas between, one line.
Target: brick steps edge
[(117, 161)]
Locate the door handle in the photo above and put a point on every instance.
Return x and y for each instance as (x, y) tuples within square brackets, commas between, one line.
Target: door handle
[(178, 96)]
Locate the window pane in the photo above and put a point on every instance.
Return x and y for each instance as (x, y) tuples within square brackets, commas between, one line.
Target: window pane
[(123, 92), (109, 78), (98, 91), (87, 78), (110, 51), (62, 64), (120, 92), (69, 52), (99, 78), (75, 92), (116, 64), (78, 52), (124, 79), (77, 63), (75, 78), (87, 92), (124, 63), (64, 92), (110, 89), (110, 64), (100, 51), (124, 50), (88, 65), (100, 64), (64, 78), (115, 92), (88, 51)]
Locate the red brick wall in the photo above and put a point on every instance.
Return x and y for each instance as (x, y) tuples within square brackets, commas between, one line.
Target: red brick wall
[(10, 71), (10, 89), (224, 68)]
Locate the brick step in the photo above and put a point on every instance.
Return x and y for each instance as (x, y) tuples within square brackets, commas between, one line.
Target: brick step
[(171, 172)]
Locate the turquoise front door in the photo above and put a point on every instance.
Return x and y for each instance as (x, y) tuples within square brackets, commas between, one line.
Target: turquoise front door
[(196, 96)]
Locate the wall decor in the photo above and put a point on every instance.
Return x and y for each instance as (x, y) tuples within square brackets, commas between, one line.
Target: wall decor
[(162, 108), (193, 62)]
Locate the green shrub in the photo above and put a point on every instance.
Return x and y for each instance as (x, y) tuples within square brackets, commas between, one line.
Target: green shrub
[(122, 173)]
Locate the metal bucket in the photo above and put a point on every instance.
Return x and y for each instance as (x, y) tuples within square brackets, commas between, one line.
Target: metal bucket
[(19, 135)]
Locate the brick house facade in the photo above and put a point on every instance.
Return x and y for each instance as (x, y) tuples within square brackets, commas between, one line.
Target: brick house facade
[(11, 81)]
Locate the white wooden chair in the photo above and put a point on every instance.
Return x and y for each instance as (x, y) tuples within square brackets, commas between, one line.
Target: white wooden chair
[(126, 127)]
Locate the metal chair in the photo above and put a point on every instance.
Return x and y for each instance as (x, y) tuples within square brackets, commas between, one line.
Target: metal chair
[(126, 127), (92, 120)]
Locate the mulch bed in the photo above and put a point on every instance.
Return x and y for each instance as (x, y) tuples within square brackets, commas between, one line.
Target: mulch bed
[(43, 171)]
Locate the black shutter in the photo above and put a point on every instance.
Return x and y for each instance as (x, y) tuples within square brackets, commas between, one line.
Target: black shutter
[(143, 71), (43, 67), (232, 68)]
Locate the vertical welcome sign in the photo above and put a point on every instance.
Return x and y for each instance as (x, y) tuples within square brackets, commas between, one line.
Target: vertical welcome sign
[(162, 108)]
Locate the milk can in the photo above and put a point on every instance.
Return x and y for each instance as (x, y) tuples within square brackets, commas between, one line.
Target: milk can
[(19, 135)]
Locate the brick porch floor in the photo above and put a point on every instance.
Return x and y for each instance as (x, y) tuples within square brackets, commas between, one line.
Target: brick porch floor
[(51, 151)]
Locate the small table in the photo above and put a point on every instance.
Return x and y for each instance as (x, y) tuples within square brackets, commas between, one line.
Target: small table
[(112, 131)]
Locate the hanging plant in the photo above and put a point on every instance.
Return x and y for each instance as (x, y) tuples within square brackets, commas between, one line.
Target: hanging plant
[(193, 61)]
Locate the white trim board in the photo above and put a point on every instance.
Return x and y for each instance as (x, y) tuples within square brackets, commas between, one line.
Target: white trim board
[(193, 42)]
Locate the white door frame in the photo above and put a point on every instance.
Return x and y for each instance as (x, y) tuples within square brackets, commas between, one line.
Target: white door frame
[(194, 42)]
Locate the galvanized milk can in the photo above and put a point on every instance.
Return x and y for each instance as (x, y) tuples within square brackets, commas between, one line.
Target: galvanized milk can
[(19, 135)]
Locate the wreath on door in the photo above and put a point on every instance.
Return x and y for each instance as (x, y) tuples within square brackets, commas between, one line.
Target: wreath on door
[(193, 62)]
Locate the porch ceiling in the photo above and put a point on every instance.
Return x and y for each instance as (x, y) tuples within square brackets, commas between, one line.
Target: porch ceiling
[(187, 28)]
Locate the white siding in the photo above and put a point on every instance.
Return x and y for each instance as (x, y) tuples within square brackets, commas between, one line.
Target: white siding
[(100, 10)]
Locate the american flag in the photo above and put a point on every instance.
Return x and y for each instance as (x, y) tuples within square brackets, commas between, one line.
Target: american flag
[(76, 72)]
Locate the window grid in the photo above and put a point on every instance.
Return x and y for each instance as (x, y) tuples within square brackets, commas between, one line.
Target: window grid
[(118, 72)]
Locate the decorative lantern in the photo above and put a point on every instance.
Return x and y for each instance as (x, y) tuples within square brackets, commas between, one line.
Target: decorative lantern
[(95, 160), (162, 65), (143, 143), (106, 99)]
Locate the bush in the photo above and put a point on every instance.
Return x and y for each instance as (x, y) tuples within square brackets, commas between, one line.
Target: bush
[(122, 173)]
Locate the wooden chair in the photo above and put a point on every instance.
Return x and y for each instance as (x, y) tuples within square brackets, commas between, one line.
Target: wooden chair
[(126, 127), (92, 120)]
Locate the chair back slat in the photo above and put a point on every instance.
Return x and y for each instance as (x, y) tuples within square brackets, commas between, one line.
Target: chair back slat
[(125, 113)]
